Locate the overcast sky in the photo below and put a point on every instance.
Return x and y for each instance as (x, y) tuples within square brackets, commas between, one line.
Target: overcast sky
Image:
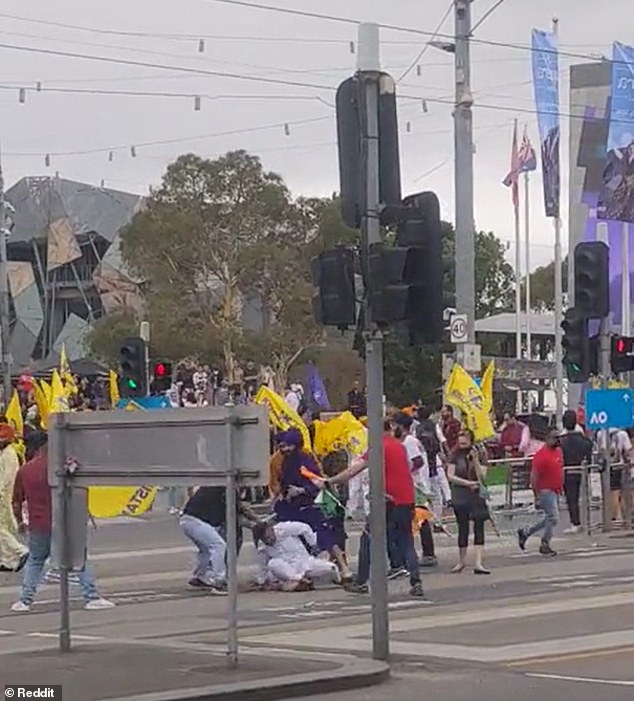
[(79, 129)]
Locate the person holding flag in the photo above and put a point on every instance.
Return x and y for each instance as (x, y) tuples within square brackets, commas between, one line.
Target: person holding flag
[(297, 491)]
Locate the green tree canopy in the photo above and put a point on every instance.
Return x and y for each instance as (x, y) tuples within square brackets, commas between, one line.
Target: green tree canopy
[(216, 235), (543, 286)]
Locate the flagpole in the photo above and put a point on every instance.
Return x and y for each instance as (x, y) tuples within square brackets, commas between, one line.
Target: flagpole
[(559, 304), (518, 289), (518, 276), (527, 255)]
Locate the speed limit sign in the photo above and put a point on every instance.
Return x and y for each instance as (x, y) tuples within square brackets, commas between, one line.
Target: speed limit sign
[(458, 328)]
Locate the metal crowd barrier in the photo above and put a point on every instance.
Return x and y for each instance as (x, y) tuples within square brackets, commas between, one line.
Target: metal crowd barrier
[(518, 479)]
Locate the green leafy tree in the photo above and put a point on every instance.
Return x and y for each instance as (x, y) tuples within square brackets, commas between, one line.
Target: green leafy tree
[(543, 286), (196, 244), (415, 372), (105, 335)]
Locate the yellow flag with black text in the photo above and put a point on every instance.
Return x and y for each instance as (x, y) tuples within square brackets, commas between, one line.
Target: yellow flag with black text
[(462, 392), (110, 502)]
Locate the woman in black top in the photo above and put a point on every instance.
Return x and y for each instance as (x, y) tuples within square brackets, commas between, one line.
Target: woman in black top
[(465, 473)]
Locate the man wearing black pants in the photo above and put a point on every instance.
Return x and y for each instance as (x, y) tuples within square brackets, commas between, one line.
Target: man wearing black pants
[(576, 449), (400, 496)]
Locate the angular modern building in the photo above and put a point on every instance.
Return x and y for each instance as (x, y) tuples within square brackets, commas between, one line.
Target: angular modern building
[(65, 268)]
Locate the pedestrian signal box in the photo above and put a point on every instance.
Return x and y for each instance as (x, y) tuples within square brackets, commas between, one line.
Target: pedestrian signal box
[(622, 354)]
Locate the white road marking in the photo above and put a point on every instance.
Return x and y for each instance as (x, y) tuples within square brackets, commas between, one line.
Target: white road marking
[(582, 680), (563, 578), (56, 635), (7, 632)]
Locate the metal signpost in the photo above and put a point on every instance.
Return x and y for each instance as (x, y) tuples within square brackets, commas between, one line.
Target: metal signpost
[(220, 446)]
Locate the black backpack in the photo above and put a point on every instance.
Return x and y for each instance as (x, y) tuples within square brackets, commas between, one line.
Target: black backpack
[(427, 435)]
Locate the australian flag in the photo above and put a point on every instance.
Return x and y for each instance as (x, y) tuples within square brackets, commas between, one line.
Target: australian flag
[(523, 160)]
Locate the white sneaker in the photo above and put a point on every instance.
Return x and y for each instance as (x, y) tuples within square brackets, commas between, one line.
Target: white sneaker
[(573, 530), (20, 607), (99, 605)]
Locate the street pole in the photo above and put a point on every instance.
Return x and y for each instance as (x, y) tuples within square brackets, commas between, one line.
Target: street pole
[(369, 67), (4, 295), (559, 304), (463, 174), (603, 436)]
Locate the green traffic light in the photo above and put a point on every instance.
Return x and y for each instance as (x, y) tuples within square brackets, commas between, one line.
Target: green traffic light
[(132, 383)]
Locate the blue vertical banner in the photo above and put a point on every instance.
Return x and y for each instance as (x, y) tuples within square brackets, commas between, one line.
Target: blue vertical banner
[(546, 87), (616, 200)]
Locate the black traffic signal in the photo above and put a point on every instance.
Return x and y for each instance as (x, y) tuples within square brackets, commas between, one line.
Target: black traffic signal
[(392, 289), (133, 368), (579, 352), (406, 281), (161, 377), (334, 303), (422, 229), (592, 279), (622, 354), (350, 104)]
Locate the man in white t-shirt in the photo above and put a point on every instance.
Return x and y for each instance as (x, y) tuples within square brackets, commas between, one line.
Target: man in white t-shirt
[(419, 466)]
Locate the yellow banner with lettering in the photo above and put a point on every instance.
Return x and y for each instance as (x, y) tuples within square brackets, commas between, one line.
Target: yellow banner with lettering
[(462, 392), (110, 502)]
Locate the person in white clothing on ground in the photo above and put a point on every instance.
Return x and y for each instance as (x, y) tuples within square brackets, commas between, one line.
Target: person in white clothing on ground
[(284, 557)]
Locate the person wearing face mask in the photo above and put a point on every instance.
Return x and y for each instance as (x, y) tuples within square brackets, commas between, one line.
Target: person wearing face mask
[(547, 481), (465, 473)]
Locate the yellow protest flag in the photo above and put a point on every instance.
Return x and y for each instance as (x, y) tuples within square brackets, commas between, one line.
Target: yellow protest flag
[(59, 397), (65, 373), (42, 404), (48, 391), (110, 502), (462, 392), (14, 414), (343, 432), (113, 386), (281, 416), (486, 385)]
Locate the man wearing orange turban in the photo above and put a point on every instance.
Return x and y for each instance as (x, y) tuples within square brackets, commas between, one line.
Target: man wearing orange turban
[(12, 553)]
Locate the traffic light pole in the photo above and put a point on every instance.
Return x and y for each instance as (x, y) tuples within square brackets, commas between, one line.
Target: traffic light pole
[(604, 437), (371, 233)]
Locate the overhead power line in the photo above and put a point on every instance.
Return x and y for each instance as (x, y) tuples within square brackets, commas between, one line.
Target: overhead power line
[(421, 53), (403, 29), (487, 14)]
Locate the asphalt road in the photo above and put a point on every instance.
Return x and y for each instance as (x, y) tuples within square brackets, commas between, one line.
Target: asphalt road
[(534, 628)]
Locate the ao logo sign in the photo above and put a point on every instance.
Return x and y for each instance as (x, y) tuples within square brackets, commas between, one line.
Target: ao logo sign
[(599, 417)]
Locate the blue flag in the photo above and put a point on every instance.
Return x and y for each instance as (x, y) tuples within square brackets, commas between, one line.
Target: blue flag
[(316, 388), (546, 87)]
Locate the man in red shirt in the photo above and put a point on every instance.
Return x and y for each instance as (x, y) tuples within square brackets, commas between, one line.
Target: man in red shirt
[(401, 497), (547, 481), (31, 488)]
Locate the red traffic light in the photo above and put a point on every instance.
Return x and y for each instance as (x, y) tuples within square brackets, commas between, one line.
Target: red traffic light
[(624, 345), (162, 370)]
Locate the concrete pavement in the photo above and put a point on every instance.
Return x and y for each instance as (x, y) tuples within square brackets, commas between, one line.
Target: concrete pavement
[(533, 625)]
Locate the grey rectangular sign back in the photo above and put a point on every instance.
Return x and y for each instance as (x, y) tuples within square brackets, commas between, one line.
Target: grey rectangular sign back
[(163, 447), (77, 532)]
